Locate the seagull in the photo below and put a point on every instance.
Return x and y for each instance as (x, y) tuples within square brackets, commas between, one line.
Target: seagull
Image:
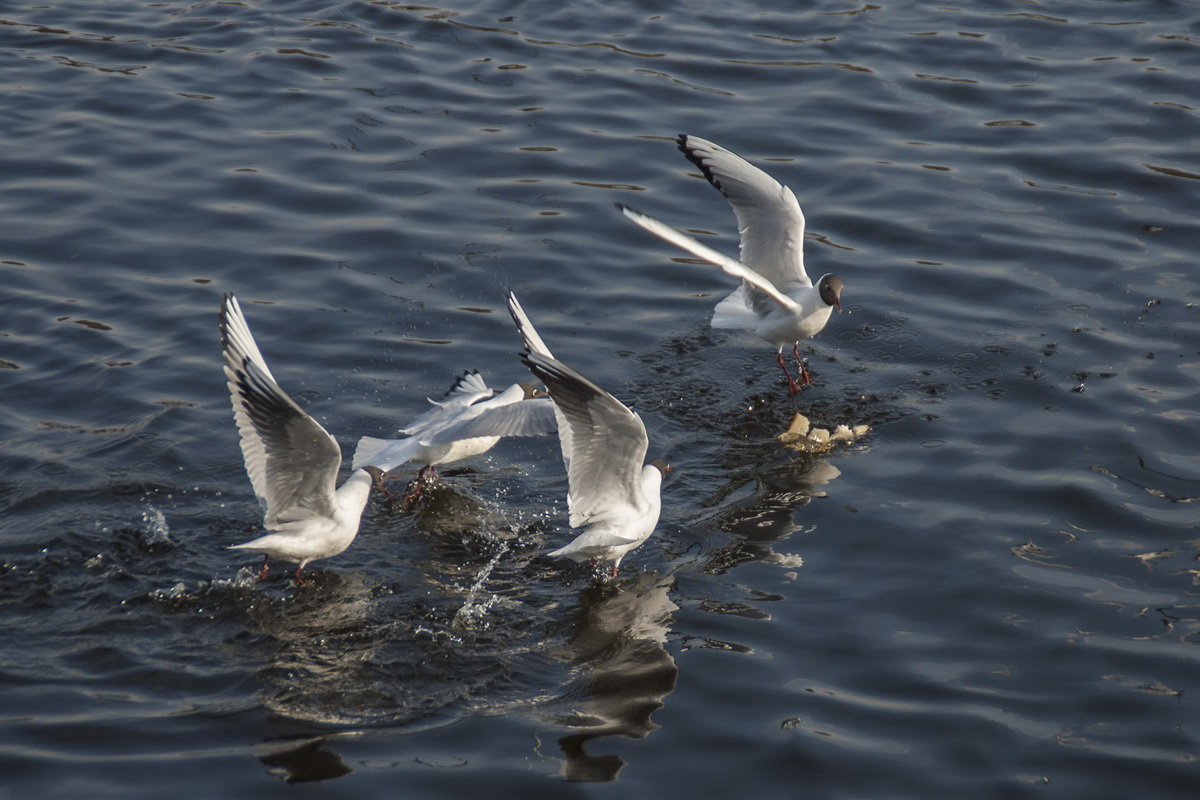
[(609, 488), (292, 461), (777, 300), (467, 421)]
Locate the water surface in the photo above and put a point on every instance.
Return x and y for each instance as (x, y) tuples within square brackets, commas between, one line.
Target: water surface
[(991, 594)]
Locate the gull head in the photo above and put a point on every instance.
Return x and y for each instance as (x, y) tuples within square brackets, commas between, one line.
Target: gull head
[(662, 466), (830, 287), (376, 478)]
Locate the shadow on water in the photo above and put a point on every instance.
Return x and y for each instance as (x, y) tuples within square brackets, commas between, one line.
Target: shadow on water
[(323, 647), (334, 659)]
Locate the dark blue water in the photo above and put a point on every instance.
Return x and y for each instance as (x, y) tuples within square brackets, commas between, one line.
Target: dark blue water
[(994, 593)]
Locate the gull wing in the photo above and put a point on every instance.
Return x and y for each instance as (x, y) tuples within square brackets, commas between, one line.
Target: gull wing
[(607, 444), (770, 221), (535, 345), (291, 460), (533, 417), (467, 389), (727, 264), (529, 334)]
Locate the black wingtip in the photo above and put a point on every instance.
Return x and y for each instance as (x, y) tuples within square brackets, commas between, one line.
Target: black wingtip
[(538, 365), (562, 381), (686, 148), (459, 382), (527, 358)]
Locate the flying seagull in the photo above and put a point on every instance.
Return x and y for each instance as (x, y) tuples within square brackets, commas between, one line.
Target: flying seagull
[(467, 421), (292, 461), (610, 490), (777, 301)]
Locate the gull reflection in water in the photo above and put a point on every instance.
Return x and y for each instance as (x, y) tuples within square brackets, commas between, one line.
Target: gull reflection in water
[(302, 760), (323, 646), (768, 515), (316, 641), (618, 637)]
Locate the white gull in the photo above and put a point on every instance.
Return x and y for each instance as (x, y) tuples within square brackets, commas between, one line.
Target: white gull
[(610, 489), (777, 301), (470, 419), (292, 461)]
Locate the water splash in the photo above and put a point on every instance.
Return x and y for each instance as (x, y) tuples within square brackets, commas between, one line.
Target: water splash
[(473, 612), (156, 530)]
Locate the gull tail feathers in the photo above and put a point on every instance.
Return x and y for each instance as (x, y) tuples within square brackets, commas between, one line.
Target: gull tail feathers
[(569, 551), (386, 454), (734, 312)]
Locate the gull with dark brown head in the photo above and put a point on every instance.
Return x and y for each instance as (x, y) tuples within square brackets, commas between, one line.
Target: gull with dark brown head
[(610, 489), (777, 301), (292, 461)]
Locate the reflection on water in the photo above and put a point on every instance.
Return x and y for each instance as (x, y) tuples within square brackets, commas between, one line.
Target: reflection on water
[(349, 651), (619, 637), (323, 644), (768, 515), (330, 662), (302, 760)]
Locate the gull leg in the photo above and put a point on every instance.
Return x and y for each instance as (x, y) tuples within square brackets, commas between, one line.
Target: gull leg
[(802, 365), (265, 572), (793, 387), (296, 575), (597, 570), (599, 573), (426, 474)]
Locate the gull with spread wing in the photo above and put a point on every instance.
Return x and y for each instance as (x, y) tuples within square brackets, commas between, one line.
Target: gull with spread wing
[(292, 461), (610, 489), (467, 421), (777, 300)]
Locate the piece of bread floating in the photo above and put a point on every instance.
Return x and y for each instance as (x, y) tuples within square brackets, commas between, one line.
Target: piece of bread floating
[(801, 435)]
